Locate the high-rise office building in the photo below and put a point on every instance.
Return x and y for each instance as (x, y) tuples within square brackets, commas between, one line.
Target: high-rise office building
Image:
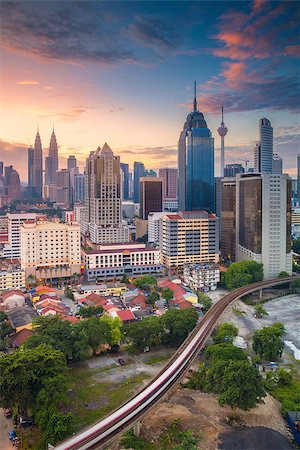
[(222, 130), (188, 238), (231, 170), (79, 188), (196, 164), (30, 166), (38, 166), (228, 217), (125, 171), (102, 221), (14, 187), (13, 248), (151, 196), (263, 221), (1, 168), (170, 182), (263, 152), (298, 175), (138, 172), (72, 163), (51, 162), (63, 187), (149, 173), (277, 164)]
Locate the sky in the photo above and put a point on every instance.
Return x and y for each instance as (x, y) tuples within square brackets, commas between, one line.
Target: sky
[(123, 73)]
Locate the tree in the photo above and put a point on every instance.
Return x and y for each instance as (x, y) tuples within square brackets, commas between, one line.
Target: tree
[(3, 316), (69, 293), (152, 298), (24, 375), (226, 332), (90, 311), (241, 273), (59, 427), (5, 329), (267, 341), (283, 274), (224, 352), (31, 280), (144, 333), (167, 294), (177, 324), (260, 310), (97, 332), (241, 385), (115, 325), (145, 282), (205, 301)]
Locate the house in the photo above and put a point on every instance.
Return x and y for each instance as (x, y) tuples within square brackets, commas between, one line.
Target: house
[(22, 317), (111, 310), (13, 299), (94, 300), (20, 337), (126, 316)]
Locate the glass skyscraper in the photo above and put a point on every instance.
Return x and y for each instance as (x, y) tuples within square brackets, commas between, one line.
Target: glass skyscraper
[(196, 164)]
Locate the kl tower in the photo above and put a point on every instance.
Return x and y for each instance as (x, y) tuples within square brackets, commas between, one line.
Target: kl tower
[(222, 130)]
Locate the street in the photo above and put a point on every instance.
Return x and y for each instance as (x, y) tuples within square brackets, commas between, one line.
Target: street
[(5, 426)]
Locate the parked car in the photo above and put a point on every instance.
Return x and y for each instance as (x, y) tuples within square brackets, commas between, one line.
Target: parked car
[(8, 413), (121, 362), (11, 435)]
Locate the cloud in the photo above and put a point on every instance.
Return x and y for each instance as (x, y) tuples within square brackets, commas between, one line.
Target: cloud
[(27, 82)]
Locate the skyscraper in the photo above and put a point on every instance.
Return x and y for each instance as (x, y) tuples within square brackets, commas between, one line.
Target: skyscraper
[(263, 152), (263, 221), (51, 162), (79, 188), (38, 166), (277, 164), (1, 168), (138, 171), (63, 191), (231, 170), (170, 182), (298, 175), (72, 163), (228, 217), (196, 164), (222, 130), (151, 196), (102, 221), (30, 172), (125, 170)]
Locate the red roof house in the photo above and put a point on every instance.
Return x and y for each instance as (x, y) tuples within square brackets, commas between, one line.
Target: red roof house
[(126, 315)]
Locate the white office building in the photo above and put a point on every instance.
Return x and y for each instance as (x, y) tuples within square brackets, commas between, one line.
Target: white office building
[(13, 248)]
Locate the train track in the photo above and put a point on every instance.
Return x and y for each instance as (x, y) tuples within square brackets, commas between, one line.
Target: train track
[(99, 435)]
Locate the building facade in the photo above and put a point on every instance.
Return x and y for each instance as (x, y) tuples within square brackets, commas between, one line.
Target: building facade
[(228, 218), (263, 221), (277, 164), (151, 196), (51, 162), (63, 191), (13, 248), (102, 221), (196, 164), (12, 279), (116, 260), (125, 180), (79, 188), (38, 167), (202, 276), (231, 170), (263, 152), (50, 250), (189, 237), (138, 172)]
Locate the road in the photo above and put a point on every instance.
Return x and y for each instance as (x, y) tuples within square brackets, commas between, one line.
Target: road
[(5, 426), (105, 431)]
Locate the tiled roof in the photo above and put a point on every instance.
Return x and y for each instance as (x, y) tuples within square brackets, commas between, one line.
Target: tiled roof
[(20, 337), (126, 315), (8, 294)]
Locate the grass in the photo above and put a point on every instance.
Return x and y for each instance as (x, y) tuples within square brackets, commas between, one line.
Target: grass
[(289, 396), (86, 390), (157, 359), (238, 312)]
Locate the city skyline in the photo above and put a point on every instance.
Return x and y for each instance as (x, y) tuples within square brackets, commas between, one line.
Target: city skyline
[(105, 89)]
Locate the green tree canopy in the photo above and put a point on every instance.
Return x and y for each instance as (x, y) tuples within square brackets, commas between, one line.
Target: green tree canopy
[(144, 333), (226, 332), (205, 300), (241, 273), (90, 311), (267, 341), (115, 325), (177, 324), (152, 297), (296, 246), (167, 294), (260, 310), (224, 352), (145, 282), (59, 427)]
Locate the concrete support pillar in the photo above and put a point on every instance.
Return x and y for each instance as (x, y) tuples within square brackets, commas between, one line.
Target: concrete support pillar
[(137, 428), (260, 294)]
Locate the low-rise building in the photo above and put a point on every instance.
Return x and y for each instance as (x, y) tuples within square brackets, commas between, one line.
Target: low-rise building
[(50, 250), (12, 278), (12, 299), (202, 276), (115, 260), (113, 289)]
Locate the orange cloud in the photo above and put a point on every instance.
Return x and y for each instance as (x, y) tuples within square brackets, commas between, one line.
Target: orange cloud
[(292, 50), (27, 82)]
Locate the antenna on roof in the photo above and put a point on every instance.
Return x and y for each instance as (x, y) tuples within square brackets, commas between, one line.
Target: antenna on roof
[(195, 97)]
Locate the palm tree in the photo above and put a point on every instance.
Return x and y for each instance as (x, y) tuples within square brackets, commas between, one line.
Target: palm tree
[(31, 280)]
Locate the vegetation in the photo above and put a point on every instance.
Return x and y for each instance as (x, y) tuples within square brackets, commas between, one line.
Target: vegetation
[(167, 294), (34, 382), (144, 334), (5, 330), (174, 437), (283, 274), (90, 311), (176, 325), (205, 301), (226, 332), (241, 273), (285, 388), (152, 298), (69, 293), (296, 246), (267, 342), (145, 282), (260, 311)]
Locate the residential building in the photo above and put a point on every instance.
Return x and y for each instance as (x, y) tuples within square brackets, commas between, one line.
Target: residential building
[(51, 162), (155, 226), (196, 164), (231, 170), (38, 167), (222, 130), (263, 152), (68, 216), (138, 172), (13, 248), (12, 278), (50, 250), (151, 196), (228, 218), (79, 188), (115, 260), (141, 229), (277, 164), (102, 221), (201, 276), (125, 180), (109, 289), (189, 237), (263, 221)]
